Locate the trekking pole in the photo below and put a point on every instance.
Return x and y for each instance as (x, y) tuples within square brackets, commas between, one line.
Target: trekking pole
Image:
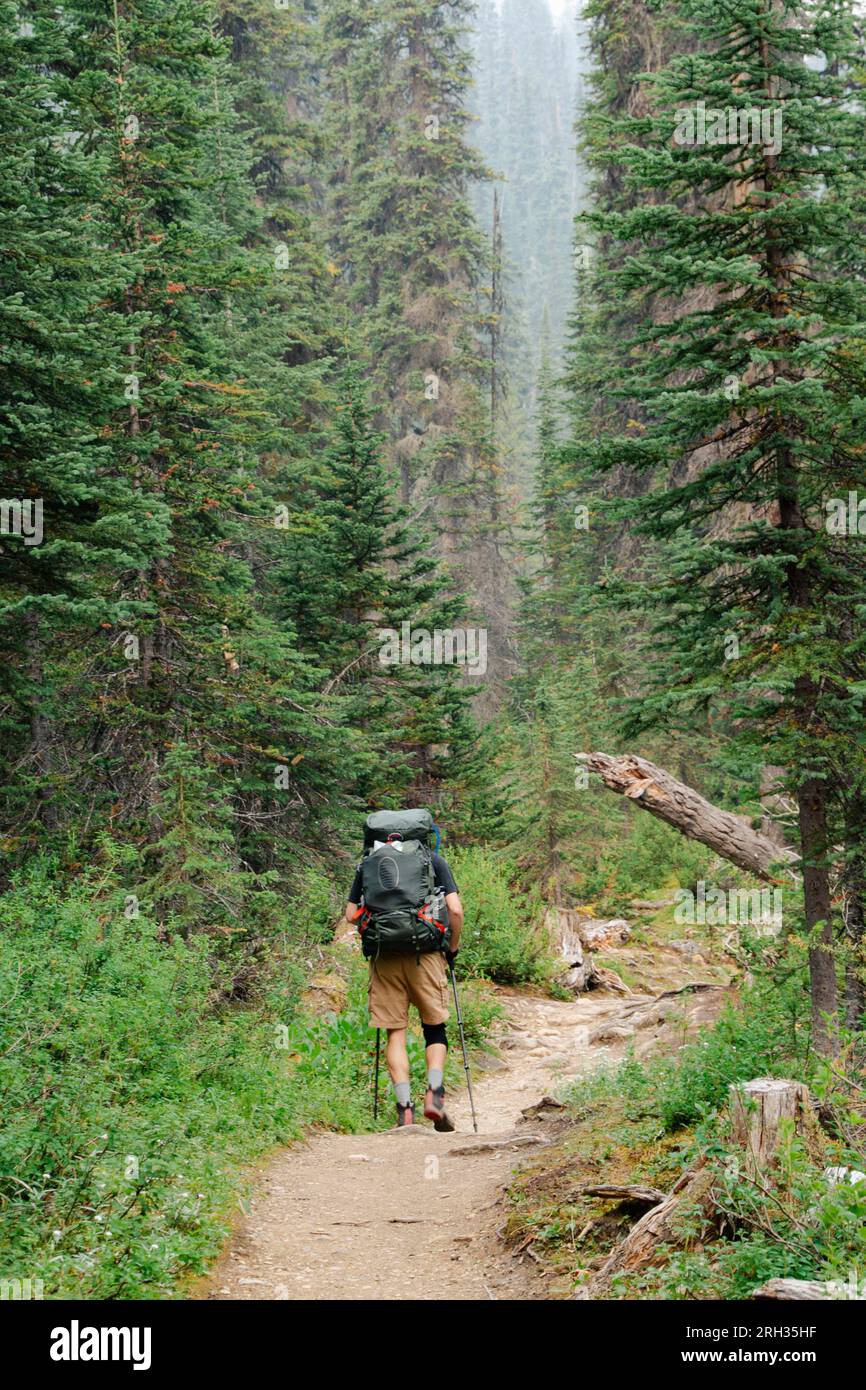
[(463, 1045), (376, 1079)]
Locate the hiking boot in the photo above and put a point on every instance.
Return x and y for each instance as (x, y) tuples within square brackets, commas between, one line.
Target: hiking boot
[(434, 1109), (405, 1115)]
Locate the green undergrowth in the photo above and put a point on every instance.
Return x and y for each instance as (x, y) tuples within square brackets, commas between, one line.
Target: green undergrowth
[(144, 1065), (503, 938), (640, 858)]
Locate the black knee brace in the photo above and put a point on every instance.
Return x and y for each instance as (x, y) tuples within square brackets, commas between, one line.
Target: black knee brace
[(434, 1033)]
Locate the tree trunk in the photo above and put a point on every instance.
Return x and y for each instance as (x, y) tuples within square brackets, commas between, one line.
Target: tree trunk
[(40, 729), (656, 791), (734, 839), (855, 992), (802, 597), (818, 909), (562, 927), (853, 912), (798, 1289)]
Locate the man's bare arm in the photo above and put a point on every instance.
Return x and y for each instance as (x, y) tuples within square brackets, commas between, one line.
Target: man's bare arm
[(455, 917)]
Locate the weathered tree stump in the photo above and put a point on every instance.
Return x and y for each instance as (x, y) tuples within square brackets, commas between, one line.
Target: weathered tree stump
[(758, 1109), (561, 925)]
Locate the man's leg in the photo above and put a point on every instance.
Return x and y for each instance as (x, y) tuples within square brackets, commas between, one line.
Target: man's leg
[(436, 1039), (428, 991), (435, 1055), (397, 1057), (398, 1068), (389, 1009)]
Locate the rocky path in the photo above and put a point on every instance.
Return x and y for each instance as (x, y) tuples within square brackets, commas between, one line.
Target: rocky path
[(412, 1214)]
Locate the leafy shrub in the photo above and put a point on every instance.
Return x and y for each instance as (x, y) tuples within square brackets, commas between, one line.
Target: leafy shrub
[(502, 938), (643, 859), (133, 1092), (315, 903), (333, 1056), (480, 1011), (796, 1226), (761, 1038)]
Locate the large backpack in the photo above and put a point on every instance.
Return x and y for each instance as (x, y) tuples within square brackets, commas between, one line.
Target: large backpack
[(403, 913)]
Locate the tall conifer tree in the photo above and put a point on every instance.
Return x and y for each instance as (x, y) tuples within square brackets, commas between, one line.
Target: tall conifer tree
[(749, 406)]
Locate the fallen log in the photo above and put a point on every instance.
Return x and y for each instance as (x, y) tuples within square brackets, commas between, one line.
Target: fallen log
[(655, 1229), (617, 1192), (679, 805), (808, 1290)]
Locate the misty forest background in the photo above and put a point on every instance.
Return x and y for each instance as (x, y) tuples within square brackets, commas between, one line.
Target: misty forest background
[(323, 316)]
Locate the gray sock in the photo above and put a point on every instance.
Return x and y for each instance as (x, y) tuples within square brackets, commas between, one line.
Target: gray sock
[(434, 1078), (403, 1092)]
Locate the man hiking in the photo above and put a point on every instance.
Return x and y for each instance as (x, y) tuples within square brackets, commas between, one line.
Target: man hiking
[(405, 904)]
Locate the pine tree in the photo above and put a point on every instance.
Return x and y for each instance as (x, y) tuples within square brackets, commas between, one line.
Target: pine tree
[(63, 341), (526, 86), (199, 389), (273, 52), (358, 566), (401, 227), (413, 268), (747, 399), (557, 706)]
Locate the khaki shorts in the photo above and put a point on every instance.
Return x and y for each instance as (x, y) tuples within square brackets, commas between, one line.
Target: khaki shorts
[(396, 981)]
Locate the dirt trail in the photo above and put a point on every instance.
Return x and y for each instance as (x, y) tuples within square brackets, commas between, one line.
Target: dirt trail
[(410, 1214)]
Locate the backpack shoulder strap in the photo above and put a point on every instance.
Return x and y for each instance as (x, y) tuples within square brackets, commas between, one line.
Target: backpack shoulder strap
[(431, 876)]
